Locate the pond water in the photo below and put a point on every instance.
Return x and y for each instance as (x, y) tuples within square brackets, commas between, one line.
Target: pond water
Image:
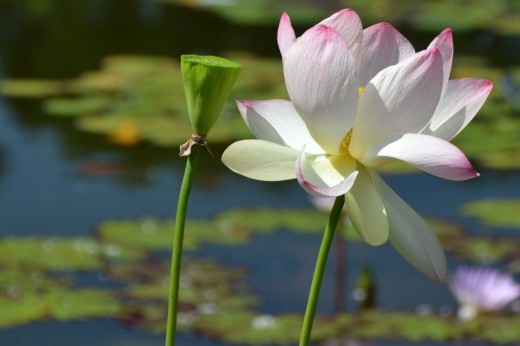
[(58, 181)]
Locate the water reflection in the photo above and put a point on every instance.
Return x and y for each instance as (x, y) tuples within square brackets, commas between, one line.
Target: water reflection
[(2, 161)]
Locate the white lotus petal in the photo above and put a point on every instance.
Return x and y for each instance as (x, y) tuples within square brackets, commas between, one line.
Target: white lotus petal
[(277, 121), (383, 46), (410, 235), (400, 99), (366, 210), (431, 154), (261, 160), (321, 79), (286, 35), (460, 103), (325, 176), (348, 24), (444, 42)]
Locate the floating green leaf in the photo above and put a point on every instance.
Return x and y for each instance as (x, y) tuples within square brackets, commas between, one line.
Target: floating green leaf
[(20, 311), (485, 250), (495, 212), (400, 326), (32, 88), (15, 283), (135, 99), (73, 107), (59, 253), (207, 289), (153, 234), (268, 220), (58, 304), (77, 304)]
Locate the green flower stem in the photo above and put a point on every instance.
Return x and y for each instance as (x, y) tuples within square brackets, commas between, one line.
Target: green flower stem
[(180, 219), (321, 263)]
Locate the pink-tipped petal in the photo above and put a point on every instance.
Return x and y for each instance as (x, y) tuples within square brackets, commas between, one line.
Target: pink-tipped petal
[(277, 121), (366, 210), (321, 80), (400, 99), (460, 103), (432, 155), (261, 160), (321, 177), (348, 24), (444, 42), (410, 235), (383, 46), (286, 35)]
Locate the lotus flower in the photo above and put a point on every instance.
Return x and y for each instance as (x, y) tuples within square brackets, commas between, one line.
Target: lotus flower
[(482, 289), (360, 99)]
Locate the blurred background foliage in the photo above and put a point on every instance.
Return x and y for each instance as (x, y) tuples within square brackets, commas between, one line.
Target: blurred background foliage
[(131, 98), (104, 75)]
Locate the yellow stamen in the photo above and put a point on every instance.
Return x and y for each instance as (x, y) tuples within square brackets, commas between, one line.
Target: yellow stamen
[(343, 148), (345, 143)]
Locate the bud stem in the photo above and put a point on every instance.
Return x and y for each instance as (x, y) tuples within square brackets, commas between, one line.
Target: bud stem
[(178, 237)]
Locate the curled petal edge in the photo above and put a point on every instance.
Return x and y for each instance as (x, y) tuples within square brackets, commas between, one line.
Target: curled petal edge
[(315, 190)]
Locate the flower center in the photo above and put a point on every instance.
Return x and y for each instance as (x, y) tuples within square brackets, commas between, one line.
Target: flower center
[(345, 142)]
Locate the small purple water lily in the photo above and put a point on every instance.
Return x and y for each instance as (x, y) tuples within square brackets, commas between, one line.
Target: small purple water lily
[(360, 98), (482, 289)]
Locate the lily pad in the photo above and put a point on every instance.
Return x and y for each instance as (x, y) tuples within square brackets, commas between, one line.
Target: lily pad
[(15, 283), (58, 304), (150, 234), (72, 107), (140, 99), (76, 304), (253, 328), (60, 253), (495, 212), (207, 288), (266, 220), (202, 281), (485, 250), (34, 88), (498, 329), (134, 99), (21, 311)]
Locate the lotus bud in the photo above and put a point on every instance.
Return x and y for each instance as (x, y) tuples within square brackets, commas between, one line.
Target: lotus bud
[(207, 82)]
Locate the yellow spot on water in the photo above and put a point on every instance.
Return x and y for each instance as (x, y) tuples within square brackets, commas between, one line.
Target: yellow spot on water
[(360, 90), (126, 133)]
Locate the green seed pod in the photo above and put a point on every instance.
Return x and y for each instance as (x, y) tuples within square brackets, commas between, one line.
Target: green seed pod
[(207, 82)]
